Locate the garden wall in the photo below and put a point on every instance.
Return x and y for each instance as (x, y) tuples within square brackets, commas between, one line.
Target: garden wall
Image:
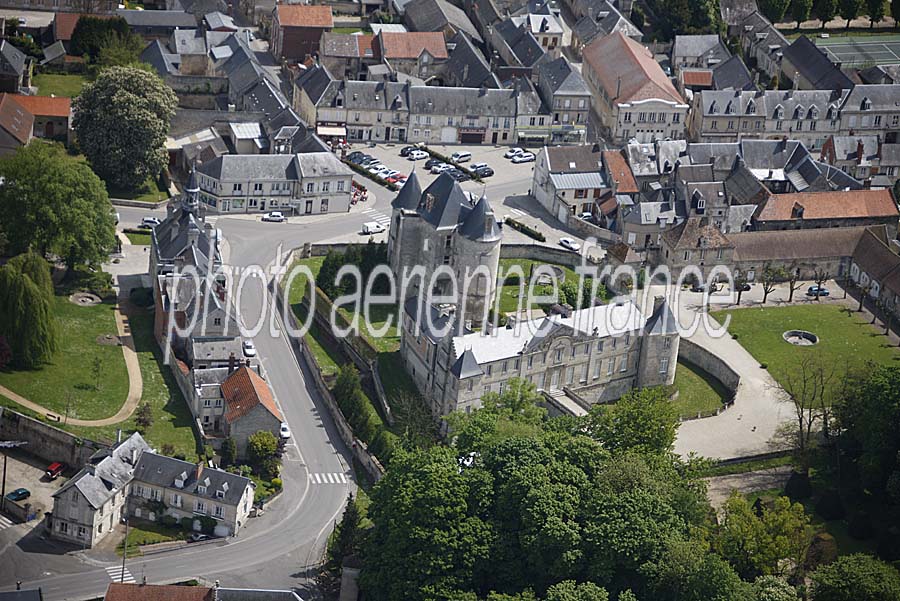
[(546, 254), (46, 441), (698, 356)]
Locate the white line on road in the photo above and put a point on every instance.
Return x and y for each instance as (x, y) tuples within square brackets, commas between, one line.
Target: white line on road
[(518, 212), (5, 522), (328, 478), (116, 573)]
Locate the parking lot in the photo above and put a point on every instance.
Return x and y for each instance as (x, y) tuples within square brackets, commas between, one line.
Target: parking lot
[(27, 471)]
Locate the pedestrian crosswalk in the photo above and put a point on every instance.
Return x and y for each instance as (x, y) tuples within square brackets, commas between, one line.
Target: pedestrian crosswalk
[(333, 478), (5, 522), (116, 574), (377, 216), (518, 213)]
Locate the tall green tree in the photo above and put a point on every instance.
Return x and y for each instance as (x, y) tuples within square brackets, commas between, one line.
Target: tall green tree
[(849, 9), (348, 535), (121, 120), (53, 204), (120, 50), (91, 33), (687, 571), (774, 10), (875, 10), (772, 588), (825, 10), (35, 267), (26, 319), (800, 10), (569, 590), (642, 420), (856, 578)]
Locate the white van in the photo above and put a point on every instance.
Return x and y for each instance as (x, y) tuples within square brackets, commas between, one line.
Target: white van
[(461, 157), (372, 227)]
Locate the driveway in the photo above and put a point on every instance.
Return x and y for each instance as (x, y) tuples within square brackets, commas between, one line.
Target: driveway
[(24, 470)]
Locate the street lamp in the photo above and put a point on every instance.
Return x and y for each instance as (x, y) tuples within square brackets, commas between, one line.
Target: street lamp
[(7, 444)]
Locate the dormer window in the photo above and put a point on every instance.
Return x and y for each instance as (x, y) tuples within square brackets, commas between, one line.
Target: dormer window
[(866, 104), (751, 108), (220, 494), (798, 112), (830, 114), (713, 109), (179, 481), (729, 109), (201, 490), (779, 112), (813, 113)]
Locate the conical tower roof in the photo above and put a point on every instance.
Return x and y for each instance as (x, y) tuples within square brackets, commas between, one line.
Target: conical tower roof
[(409, 195)]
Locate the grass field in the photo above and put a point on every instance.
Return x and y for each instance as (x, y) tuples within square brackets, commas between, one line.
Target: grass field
[(49, 84), (698, 392), (139, 239), (845, 340), (150, 191), (141, 532), (68, 378)]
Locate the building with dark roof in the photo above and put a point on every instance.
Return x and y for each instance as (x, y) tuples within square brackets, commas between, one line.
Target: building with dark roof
[(15, 68), (439, 15), (445, 226), (698, 51), (16, 124), (809, 68), (466, 65), (761, 41), (598, 19), (157, 24), (568, 98)]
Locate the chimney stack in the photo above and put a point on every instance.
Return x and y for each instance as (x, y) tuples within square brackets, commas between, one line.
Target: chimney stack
[(199, 471), (860, 149), (232, 363)]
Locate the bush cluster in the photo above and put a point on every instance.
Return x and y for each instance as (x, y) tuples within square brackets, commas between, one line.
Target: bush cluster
[(525, 229)]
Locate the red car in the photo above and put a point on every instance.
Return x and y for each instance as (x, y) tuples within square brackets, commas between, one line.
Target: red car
[(54, 470), (396, 179)]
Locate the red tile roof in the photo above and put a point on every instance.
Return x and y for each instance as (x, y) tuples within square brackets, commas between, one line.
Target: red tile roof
[(411, 44), (619, 170), (15, 118), (701, 77), (46, 106), (305, 15), (622, 64), (64, 24), (245, 389), (841, 204), (366, 46), (118, 591)]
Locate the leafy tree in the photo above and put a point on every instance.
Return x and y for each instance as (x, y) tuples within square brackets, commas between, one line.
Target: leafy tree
[(895, 13), (426, 540), (756, 545), (774, 10), (808, 387), (800, 10), (348, 535), (54, 204), (35, 267), (97, 372), (771, 275), (412, 415), (228, 452), (121, 120), (825, 10), (261, 446), (773, 588), (91, 33), (119, 50), (518, 401), (849, 9), (26, 319), (875, 10), (643, 420), (687, 571), (143, 417), (569, 590), (5, 352), (856, 578)]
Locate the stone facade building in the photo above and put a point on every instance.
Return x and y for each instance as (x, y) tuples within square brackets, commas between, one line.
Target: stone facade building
[(297, 30)]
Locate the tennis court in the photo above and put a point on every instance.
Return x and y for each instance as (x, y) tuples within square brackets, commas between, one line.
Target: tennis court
[(862, 51)]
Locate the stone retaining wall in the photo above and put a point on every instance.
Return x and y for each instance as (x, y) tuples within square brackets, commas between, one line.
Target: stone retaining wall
[(46, 441), (698, 356)]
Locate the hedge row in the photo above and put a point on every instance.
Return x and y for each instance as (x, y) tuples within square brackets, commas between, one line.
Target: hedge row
[(525, 229), (365, 173)]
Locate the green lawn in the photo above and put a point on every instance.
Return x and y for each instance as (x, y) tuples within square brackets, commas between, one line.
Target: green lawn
[(49, 84), (845, 340), (142, 532), (698, 392), (68, 377), (149, 191), (140, 239)]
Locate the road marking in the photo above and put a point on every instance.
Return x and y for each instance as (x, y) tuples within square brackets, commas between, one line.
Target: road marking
[(116, 573), (328, 478), (5, 522), (518, 212)]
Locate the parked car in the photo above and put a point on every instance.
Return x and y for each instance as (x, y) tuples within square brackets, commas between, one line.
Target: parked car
[(587, 216), (20, 494), (274, 216), (512, 152), (698, 287), (407, 150), (461, 156), (374, 167), (355, 155), (417, 155), (432, 162), (440, 168), (368, 160), (249, 348), (196, 537), (525, 157), (285, 430), (148, 223), (458, 175), (395, 178), (477, 166), (569, 244), (372, 227), (817, 291), (483, 171), (54, 470)]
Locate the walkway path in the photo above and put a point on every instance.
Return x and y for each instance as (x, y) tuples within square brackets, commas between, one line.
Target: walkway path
[(135, 381), (721, 487)]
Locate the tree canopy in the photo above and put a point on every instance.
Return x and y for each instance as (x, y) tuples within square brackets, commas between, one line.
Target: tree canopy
[(27, 321), (121, 120), (91, 33), (856, 578), (55, 205)]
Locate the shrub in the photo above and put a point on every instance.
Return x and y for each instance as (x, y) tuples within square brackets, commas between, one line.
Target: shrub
[(822, 550), (277, 483), (525, 229), (168, 521), (207, 524), (860, 526), (798, 487), (187, 524), (830, 506), (764, 366), (384, 444)]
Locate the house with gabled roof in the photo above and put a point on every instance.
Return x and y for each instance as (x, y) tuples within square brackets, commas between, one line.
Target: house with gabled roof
[(16, 124), (249, 407)]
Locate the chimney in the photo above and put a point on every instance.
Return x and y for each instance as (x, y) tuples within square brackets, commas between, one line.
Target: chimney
[(232, 362), (860, 149), (199, 471), (796, 81)]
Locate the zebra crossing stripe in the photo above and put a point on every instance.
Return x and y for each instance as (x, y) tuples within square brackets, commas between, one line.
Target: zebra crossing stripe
[(343, 478), (116, 574), (518, 212), (5, 522), (328, 478)]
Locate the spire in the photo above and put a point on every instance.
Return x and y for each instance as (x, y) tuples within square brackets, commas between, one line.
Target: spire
[(191, 195), (408, 197), (480, 224)]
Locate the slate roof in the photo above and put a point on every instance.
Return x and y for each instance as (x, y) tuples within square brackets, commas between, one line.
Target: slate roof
[(251, 167), (521, 42), (661, 322), (850, 204), (305, 15), (315, 81), (732, 74), (408, 196), (435, 15), (694, 46), (480, 224), (168, 245), (468, 66), (32, 594), (846, 148), (15, 118), (443, 204), (466, 366), (814, 66), (883, 97), (217, 20), (410, 45), (622, 64), (245, 390), (53, 51), (431, 100), (796, 245), (766, 104), (160, 470), (562, 78), (873, 256), (189, 41), (321, 164), (108, 472), (346, 45), (158, 18), (431, 326), (13, 58), (880, 74), (603, 19), (157, 56)]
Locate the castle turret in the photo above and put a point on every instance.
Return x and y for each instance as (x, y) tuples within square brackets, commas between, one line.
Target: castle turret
[(659, 346), (191, 194)]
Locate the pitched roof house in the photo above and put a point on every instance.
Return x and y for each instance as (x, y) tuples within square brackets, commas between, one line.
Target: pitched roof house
[(249, 407), (439, 15), (297, 29), (839, 208), (16, 124), (809, 67)]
